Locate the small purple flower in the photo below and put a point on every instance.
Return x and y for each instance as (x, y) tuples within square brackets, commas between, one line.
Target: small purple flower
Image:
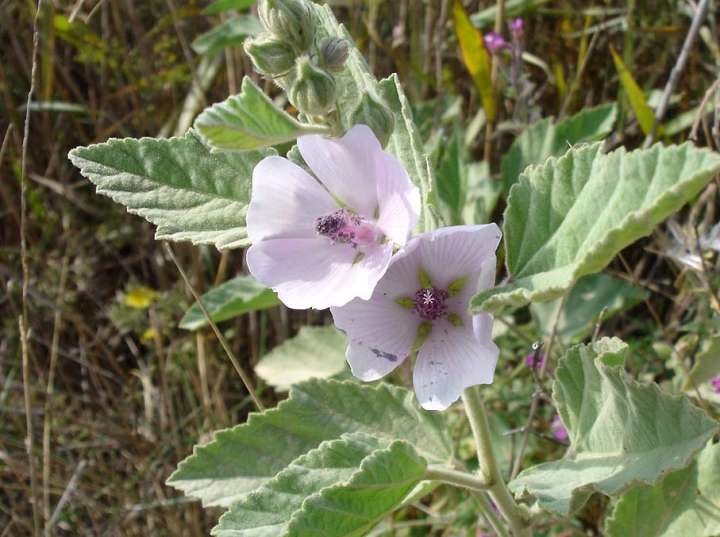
[(517, 28), (322, 242), (535, 361), (715, 383), (558, 429), (495, 42), (420, 308)]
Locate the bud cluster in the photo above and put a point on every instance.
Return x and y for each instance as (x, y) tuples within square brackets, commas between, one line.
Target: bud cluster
[(305, 64)]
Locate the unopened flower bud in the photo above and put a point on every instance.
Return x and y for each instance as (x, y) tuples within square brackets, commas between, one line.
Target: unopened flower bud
[(334, 52), (517, 28), (313, 91), (289, 20), (375, 115), (271, 56)]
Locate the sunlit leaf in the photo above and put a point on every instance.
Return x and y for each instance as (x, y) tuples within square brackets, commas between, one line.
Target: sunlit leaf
[(230, 299), (686, 502), (622, 433), (638, 103), (316, 352), (249, 121), (475, 56), (221, 6), (177, 184), (570, 216)]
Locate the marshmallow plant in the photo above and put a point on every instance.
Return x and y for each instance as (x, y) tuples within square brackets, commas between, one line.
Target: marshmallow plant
[(351, 219)]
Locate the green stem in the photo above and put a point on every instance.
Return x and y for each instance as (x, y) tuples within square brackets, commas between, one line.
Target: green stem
[(459, 479), (488, 512), (510, 510)]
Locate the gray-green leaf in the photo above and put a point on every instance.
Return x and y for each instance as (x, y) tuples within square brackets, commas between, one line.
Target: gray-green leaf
[(707, 364), (686, 502), (230, 299), (316, 352), (572, 215), (341, 488), (623, 433), (248, 121), (177, 184), (230, 33), (245, 457), (548, 139)]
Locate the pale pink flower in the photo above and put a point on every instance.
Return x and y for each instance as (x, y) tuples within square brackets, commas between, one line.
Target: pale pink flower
[(420, 308), (495, 42), (322, 242)]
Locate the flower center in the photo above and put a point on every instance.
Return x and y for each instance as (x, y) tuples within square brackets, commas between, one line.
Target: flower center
[(430, 303), (346, 227)]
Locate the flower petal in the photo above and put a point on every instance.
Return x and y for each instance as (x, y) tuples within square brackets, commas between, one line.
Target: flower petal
[(285, 201), (315, 273), (369, 364), (399, 200), (453, 359), (346, 166), (457, 251)]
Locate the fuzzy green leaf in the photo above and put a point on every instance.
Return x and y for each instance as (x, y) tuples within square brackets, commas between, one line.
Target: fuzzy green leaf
[(230, 33), (342, 487), (546, 139), (572, 215), (316, 352), (623, 433), (245, 457), (248, 121), (177, 184), (686, 502), (230, 299), (707, 364)]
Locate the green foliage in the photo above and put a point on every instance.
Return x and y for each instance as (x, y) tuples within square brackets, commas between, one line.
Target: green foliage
[(342, 488), (316, 352), (230, 299), (549, 139), (221, 6), (451, 180), (592, 296), (177, 184), (230, 33), (686, 502), (572, 215), (638, 102), (707, 364), (622, 432), (246, 457), (249, 121)]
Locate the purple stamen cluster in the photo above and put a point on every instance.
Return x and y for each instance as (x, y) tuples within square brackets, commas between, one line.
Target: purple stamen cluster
[(339, 226), (430, 303)]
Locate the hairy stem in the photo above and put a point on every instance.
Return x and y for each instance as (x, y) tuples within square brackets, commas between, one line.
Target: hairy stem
[(498, 491), (458, 479), (489, 513)]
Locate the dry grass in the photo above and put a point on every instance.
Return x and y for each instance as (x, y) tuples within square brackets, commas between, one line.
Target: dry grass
[(115, 407)]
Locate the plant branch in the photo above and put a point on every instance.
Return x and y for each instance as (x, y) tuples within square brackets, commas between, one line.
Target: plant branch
[(455, 478), (223, 342), (490, 515), (678, 69), (511, 511)]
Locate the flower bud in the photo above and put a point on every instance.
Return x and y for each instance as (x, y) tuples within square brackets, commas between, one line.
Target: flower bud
[(271, 56), (289, 20), (313, 91), (375, 115), (334, 52)]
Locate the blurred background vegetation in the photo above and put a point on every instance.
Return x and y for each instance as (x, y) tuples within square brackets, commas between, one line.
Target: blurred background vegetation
[(118, 393)]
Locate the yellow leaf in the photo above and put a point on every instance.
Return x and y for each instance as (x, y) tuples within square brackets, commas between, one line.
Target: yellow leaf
[(476, 57), (638, 103), (560, 82), (140, 297)]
